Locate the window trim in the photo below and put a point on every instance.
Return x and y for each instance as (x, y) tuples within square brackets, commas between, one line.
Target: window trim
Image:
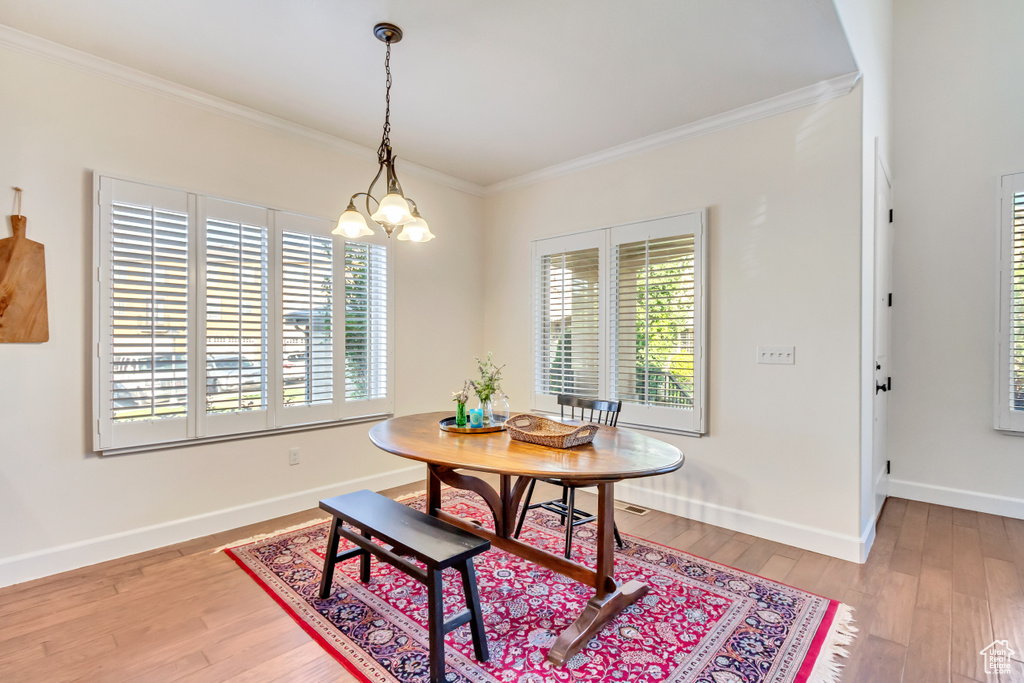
[(196, 426), (1005, 418), (665, 420)]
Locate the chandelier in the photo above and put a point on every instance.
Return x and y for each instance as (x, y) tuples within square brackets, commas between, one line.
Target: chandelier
[(395, 209)]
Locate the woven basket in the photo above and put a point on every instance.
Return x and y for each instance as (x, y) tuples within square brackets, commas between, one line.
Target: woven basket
[(545, 432)]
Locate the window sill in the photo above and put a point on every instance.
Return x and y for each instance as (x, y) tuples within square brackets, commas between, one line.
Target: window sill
[(199, 441)]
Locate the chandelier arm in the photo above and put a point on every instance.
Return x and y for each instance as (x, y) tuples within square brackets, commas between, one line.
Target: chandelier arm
[(369, 191)]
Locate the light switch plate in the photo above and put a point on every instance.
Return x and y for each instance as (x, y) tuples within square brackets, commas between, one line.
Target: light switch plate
[(776, 355)]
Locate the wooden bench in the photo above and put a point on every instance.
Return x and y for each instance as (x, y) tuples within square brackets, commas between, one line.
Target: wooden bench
[(411, 533)]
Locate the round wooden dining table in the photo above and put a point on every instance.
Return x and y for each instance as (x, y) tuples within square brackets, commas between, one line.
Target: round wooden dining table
[(615, 454)]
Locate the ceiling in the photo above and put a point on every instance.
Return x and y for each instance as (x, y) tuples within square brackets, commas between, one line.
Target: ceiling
[(484, 90)]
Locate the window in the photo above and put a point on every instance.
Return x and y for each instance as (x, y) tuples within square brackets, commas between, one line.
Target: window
[(1010, 327), (618, 313), (217, 318)]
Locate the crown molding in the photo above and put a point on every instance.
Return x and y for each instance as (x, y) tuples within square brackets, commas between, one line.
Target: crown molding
[(817, 92), (27, 43)]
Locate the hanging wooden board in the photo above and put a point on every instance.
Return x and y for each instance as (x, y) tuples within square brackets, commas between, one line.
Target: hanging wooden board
[(22, 288)]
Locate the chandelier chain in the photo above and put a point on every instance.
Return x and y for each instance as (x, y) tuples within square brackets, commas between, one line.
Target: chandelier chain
[(385, 141)]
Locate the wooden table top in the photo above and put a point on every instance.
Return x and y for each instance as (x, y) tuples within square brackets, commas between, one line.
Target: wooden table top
[(616, 453)]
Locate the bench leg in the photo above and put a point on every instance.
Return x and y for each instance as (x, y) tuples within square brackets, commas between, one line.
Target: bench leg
[(435, 624), (364, 562), (330, 558), (476, 624)]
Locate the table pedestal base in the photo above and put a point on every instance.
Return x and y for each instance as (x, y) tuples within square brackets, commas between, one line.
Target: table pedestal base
[(610, 598), (595, 615)]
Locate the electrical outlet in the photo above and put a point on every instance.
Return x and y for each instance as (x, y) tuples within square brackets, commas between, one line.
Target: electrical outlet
[(293, 456), (776, 355)]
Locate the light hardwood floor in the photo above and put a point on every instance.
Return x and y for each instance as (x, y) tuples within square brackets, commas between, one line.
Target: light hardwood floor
[(940, 585)]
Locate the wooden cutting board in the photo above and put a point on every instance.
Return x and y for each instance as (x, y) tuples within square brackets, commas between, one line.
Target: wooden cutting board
[(22, 288)]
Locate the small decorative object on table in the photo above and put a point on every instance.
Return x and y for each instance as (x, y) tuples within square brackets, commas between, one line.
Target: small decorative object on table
[(545, 432), (460, 398), (447, 424), (500, 408), (486, 386)]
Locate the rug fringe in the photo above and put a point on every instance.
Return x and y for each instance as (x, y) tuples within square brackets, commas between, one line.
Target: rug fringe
[(827, 668), (270, 534), (414, 494)]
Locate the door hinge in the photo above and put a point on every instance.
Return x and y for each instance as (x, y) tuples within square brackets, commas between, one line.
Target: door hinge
[(890, 215), (890, 298), (888, 467), (883, 387)]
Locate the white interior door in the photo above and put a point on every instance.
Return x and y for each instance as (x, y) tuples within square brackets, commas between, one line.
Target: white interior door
[(883, 325)]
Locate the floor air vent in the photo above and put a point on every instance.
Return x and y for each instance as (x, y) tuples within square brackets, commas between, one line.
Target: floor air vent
[(629, 507)]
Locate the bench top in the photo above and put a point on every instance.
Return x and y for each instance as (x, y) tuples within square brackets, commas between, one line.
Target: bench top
[(432, 541)]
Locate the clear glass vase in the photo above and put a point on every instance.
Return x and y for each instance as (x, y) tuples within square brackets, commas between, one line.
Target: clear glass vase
[(488, 415), (500, 410)]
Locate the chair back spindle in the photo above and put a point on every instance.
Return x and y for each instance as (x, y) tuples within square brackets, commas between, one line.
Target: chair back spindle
[(607, 412)]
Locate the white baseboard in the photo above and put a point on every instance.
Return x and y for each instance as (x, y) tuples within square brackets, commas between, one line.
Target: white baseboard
[(39, 563), (845, 547), (958, 498)]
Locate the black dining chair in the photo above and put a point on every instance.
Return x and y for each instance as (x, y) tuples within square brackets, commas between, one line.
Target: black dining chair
[(591, 410)]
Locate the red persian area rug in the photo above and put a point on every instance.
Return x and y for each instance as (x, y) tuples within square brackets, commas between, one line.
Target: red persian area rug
[(701, 622)]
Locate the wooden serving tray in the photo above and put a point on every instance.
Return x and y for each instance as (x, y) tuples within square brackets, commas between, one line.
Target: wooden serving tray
[(448, 425)]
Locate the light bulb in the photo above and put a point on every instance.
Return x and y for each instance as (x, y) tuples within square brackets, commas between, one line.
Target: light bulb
[(416, 230), (351, 224), (393, 209)]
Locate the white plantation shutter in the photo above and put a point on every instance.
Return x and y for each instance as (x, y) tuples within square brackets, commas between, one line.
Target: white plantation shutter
[(216, 318), (1017, 316), (311, 354), (619, 315), (366, 322), (1009, 402), (655, 333), (236, 345), (652, 330), (568, 334), (144, 344), (307, 296)]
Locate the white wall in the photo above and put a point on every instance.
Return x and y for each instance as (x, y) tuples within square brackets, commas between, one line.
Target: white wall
[(57, 125), (957, 71), (868, 27), (782, 456)]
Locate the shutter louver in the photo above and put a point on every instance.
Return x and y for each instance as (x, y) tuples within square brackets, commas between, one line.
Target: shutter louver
[(568, 344), (365, 321), (307, 299), (236, 316), (149, 312), (1016, 397), (652, 332)]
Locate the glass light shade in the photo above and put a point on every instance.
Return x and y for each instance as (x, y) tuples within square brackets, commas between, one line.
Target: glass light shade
[(416, 230), (352, 224), (393, 209)]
